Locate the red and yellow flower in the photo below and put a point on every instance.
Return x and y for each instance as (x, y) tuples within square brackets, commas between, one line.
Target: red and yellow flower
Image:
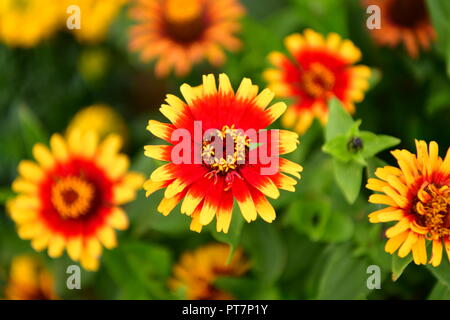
[(180, 33), (403, 21), (196, 271), (417, 194), (70, 198), (29, 280), (319, 68), (209, 186)]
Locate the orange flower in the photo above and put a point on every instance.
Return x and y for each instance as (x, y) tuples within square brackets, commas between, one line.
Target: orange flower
[(180, 33), (70, 199), (418, 197), (320, 69), (28, 280), (229, 163), (404, 21), (197, 271)]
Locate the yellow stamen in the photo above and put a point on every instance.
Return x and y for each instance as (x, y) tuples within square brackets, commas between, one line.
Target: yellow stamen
[(72, 197), (228, 161), (433, 208)]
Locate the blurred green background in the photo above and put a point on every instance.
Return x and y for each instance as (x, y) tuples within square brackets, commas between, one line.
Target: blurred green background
[(320, 246)]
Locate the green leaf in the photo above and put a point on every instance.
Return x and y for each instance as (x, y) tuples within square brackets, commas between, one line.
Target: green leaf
[(337, 147), (264, 244), (439, 292), (324, 16), (31, 128), (140, 269), (349, 178), (441, 272), (316, 219), (439, 12), (373, 144), (339, 120), (344, 276), (233, 237), (439, 97), (399, 265)]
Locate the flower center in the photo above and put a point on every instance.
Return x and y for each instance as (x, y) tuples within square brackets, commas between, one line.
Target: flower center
[(72, 197), (184, 19), (225, 150), (317, 80), (408, 13), (433, 208)]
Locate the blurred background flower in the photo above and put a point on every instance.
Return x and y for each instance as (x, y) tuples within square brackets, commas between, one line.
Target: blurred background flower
[(180, 33), (196, 272), (25, 23), (29, 280), (96, 18), (404, 22), (319, 246), (70, 199), (322, 69), (100, 118)]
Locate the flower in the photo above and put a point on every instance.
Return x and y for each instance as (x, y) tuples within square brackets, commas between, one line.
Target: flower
[(418, 197), (404, 21), (210, 175), (197, 271), (321, 68), (70, 198), (25, 23), (29, 280), (180, 33), (100, 118), (96, 18)]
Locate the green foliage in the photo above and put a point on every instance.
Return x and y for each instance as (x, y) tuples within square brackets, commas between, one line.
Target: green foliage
[(321, 243), (351, 148)]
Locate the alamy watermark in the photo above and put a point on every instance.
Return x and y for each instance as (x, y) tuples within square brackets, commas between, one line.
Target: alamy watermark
[(74, 19), (374, 20), (74, 280), (374, 280)]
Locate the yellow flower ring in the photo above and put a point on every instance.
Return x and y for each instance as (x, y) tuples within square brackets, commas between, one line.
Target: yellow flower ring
[(418, 197), (70, 198), (209, 186), (319, 69)]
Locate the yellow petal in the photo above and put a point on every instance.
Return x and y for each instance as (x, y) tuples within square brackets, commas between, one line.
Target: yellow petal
[(107, 237), (224, 84), (56, 246), (118, 219), (59, 147), (43, 156), (74, 248), (436, 253), (30, 171), (395, 242)]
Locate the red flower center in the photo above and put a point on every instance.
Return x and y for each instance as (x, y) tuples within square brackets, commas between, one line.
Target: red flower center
[(408, 13), (185, 20), (317, 80), (432, 209), (225, 150), (72, 197)]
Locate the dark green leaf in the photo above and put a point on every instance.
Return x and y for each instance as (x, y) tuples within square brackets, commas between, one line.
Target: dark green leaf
[(399, 265), (373, 144), (339, 121), (348, 177)]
